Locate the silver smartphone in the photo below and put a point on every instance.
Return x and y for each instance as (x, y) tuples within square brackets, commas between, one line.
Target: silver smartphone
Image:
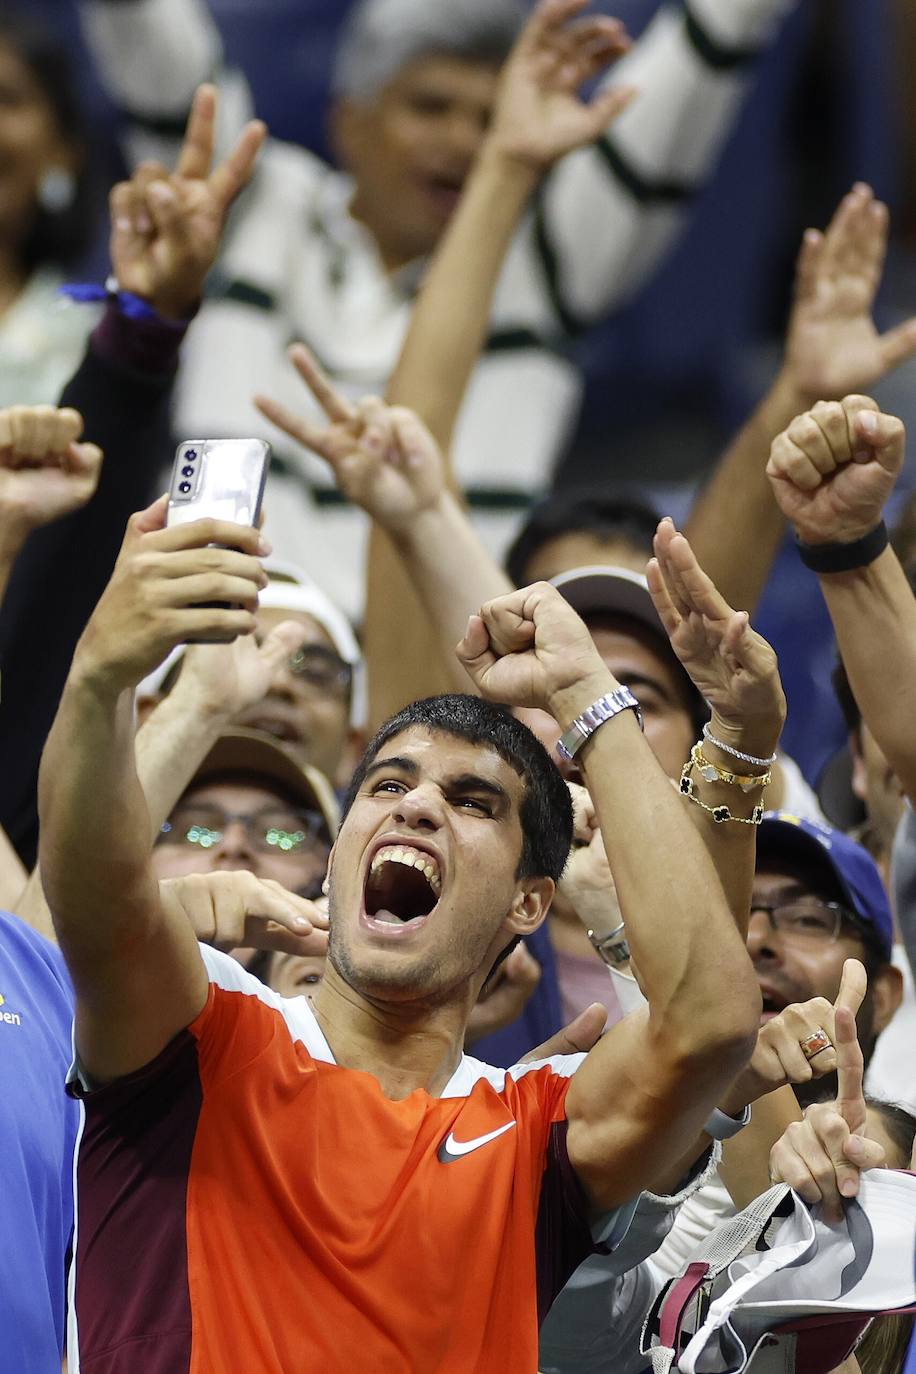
[(221, 479)]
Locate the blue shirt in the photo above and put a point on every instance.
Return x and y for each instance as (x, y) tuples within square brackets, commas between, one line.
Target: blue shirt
[(38, 1124)]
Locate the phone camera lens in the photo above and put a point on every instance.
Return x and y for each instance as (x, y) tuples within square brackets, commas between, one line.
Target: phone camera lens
[(187, 472), (190, 455), (184, 486)]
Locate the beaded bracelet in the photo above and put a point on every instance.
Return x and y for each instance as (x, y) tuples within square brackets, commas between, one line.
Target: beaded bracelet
[(713, 773), (736, 753), (720, 814)]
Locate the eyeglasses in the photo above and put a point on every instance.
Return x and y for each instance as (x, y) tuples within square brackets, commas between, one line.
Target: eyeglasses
[(322, 668), (807, 918), (273, 830)]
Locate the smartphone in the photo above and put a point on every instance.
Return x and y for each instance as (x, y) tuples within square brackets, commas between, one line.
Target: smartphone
[(222, 479)]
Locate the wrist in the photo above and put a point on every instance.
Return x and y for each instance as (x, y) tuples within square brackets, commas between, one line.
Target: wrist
[(420, 528), (516, 170), (754, 735), (565, 703)]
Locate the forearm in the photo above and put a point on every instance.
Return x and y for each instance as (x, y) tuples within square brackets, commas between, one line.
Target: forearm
[(731, 845), (610, 213), (452, 570), (170, 747), (450, 317), (442, 347), (735, 526), (691, 958), (874, 616), (95, 826)]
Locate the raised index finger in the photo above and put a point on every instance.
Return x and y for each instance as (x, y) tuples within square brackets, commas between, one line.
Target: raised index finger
[(332, 402), (850, 1101), (197, 148), (853, 986)]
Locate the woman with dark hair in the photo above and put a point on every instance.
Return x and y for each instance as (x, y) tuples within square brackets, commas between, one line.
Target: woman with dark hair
[(46, 213)]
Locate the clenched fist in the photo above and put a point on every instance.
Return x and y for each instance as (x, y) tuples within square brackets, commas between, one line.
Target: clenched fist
[(834, 468)]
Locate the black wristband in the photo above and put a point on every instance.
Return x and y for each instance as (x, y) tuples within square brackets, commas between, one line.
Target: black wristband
[(837, 558)]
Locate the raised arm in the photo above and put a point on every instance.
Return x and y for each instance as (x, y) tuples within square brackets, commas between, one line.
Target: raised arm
[(165, 233), (638, 1103), (832, 472), (608, 213), (134, 960), (832, 350)]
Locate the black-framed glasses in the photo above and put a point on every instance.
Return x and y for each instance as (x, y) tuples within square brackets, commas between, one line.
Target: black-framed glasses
[(808, 918), (272, 830), (322, 668)]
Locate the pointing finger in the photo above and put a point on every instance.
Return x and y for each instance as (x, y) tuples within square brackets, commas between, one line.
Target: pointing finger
[(853, 986)]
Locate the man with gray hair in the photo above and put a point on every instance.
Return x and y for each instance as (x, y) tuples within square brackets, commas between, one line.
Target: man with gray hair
[(335, 258)]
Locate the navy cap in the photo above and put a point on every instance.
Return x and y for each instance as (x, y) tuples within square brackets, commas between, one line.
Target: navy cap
[(782, 835)]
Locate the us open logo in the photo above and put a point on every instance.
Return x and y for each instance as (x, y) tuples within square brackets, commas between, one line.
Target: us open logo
[(8, 1018)]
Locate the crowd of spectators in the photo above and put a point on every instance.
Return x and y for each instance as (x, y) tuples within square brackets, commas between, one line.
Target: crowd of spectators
[(452, 814)]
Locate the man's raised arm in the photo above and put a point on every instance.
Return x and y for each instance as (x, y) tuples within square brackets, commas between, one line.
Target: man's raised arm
[(134, 960), (832, 349), (832, 473), (638, 1103)]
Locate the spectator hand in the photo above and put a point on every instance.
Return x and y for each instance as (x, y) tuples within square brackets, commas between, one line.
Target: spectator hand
[(778, 1058), (539, 113), (505, 995), (223, 680), (822, 1156), (166, 228), (44, 472), (162, 591), (529, 648), (834, 468), (239, 911), (384, 459), (578, 1037), (832, 345), (586, 881), (729, 663)]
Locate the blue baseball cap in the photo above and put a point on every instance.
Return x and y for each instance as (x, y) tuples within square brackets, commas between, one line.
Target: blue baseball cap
[(781, 835)]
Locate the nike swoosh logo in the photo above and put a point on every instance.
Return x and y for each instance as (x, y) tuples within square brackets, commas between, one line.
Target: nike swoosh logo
[(452, 1149)]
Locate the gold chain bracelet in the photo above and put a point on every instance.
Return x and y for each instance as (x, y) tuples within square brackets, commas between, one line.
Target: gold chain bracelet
[(720, 814)]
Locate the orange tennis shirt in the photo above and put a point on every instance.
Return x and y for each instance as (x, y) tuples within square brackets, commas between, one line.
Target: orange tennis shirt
[(244, 1203)]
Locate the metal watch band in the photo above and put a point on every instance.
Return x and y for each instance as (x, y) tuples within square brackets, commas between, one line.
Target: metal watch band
[(723, 1127), (604, 709), (612, 948)]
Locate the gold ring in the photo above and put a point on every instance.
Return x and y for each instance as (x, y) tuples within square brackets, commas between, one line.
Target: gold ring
[(815, 1042)]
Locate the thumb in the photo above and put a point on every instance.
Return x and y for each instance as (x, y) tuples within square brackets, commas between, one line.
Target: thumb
[(898, 344), (149, 520), (576, 1038), (884, 435), (474, 652), (282, 641), (606, 106), (863, 1153), (83, 459)]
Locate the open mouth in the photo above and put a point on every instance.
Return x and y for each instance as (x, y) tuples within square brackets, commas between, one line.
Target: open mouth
[(283, 730), (402, 887), (773, 1004), (444, 191)]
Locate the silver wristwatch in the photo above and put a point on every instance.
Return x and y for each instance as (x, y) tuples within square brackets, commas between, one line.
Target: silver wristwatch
[(584, 726), (612, 948)]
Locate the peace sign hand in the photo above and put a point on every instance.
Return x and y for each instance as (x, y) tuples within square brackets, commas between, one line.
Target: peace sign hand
[(166, 228), (823, 1156), (384, 459), (732, 666)]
